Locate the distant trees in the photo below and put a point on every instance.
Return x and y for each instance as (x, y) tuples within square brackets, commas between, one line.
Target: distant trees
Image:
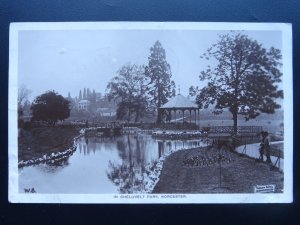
[(23, 95), (80, 95), (50, 107), (23, 103), (84, 94), (128, 89), (158, 71), (244, 79)]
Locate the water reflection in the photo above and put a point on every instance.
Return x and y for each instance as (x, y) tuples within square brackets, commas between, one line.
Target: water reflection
[(102, 165), (92, 144), (54, 166), (130, 176)]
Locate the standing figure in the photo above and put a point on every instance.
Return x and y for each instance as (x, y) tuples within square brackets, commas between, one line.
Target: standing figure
[(267, 147), (261, 147)]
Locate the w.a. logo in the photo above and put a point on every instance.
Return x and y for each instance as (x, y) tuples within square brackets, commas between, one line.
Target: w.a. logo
[(29, 190)]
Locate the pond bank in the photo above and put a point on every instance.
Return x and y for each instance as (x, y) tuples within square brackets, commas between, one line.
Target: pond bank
[(198, 171), (34, 143)]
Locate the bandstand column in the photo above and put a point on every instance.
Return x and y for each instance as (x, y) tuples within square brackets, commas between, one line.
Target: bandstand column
[(175, 116)]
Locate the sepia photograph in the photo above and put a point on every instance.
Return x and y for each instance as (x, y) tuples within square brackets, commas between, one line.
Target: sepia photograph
[(150, 112)]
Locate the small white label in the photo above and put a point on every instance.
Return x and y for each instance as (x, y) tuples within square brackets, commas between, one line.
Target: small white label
[(264, 188)]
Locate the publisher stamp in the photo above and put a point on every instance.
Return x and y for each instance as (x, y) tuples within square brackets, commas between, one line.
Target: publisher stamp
[(264, 188)]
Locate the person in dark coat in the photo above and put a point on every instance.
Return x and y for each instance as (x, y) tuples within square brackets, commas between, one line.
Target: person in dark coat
[(261, 147), (267, 147)]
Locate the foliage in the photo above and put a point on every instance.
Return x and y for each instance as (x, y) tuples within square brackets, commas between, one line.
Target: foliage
[(23, 95), (50, 107), (124, 176), (128, 89), (244, 79), (23, 104), (129, 176), (158, 71)]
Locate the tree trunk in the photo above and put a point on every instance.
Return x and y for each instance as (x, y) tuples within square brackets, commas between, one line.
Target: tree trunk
[(235, 109), (158, 120), (235, 123), (137, 115), (129, 116)]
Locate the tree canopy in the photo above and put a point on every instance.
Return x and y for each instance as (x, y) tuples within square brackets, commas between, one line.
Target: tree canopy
[(50, 107), (128, 90), (158, 71), (244, 80)]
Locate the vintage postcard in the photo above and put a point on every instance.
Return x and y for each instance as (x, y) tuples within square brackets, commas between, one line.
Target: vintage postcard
[(150, 112)]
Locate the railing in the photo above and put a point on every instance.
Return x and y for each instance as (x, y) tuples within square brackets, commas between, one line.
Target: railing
[(229, 129), (169, 126)]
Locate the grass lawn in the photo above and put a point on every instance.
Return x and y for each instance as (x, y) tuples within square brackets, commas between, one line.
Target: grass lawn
[(238, 174), (35, 142)]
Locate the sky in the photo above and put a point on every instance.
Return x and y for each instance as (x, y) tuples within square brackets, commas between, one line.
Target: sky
[(70, 60)]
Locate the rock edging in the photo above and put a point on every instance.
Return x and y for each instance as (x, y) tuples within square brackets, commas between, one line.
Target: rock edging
[(153, 172)]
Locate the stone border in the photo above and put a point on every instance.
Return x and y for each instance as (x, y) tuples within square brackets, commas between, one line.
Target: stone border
[(154, 172)]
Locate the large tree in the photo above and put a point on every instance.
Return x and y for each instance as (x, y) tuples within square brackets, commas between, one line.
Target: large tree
[(158, 72), (244, 78), (50, 107), (128, 90)]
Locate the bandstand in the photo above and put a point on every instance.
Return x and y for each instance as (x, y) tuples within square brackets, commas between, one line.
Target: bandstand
[(180, 105)]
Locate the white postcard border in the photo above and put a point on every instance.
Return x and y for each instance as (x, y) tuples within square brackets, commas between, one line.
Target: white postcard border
[(16, 197)]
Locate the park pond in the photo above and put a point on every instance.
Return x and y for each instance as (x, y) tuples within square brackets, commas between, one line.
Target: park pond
[(103, 165), (252, 150)]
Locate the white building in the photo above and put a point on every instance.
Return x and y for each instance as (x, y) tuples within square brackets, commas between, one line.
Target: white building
[(83, 105), (106, 112)]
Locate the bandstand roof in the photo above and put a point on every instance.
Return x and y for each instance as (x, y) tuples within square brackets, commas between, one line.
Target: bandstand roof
[(179, 102)]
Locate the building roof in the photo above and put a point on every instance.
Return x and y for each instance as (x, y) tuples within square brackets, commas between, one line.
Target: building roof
[(179, 102)]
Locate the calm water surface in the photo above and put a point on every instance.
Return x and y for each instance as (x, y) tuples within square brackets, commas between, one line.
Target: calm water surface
[(252, 150), (101, 165)]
